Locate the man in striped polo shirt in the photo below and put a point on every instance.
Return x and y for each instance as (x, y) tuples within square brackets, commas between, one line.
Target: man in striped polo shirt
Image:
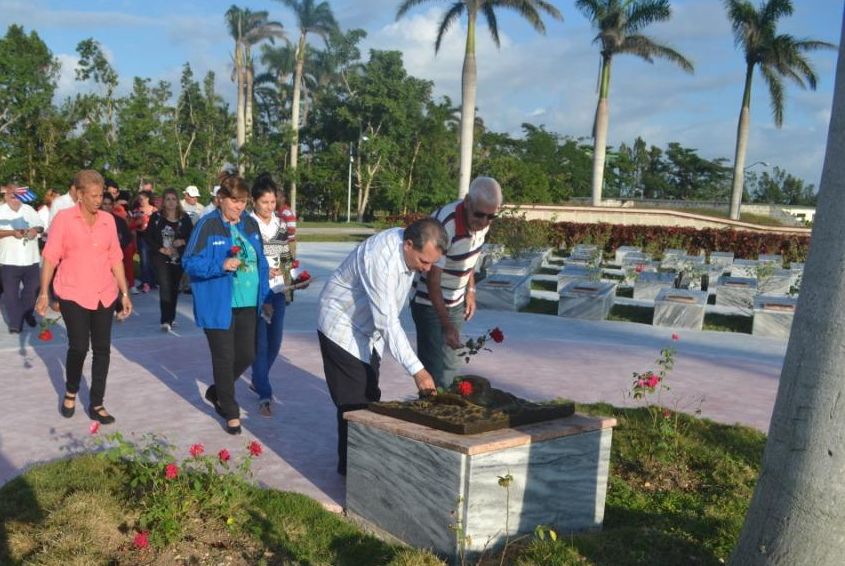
[(444, 297)]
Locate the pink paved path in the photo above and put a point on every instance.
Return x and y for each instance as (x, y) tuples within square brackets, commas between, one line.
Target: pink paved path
[(156, 383)]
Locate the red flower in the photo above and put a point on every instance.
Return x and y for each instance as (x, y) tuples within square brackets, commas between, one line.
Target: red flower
[(295, 264), (255, 448), (196, 449), (95, 426), (171, 471), (666, 413), (652, 381), (141, 540), (675, 336), (497, 335), (639, 268), (234, 250), (224, 455), (45, 335), (465, 388)]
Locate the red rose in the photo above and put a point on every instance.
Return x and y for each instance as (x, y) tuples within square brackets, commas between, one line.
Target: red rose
[(171, 471), (141, 540), (652, 381), (666, 413), (46, 335), (234, 250), (295, 264), (465, 388), (639, 268), (255, 448), (196, 450), (224, 455), (497, 335), (94, 428), (304, 276), (675, 337)]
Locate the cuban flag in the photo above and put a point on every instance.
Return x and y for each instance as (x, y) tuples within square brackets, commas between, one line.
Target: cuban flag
[(25, 194)]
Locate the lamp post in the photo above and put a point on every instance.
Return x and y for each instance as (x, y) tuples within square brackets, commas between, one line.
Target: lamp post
[(763, 163)]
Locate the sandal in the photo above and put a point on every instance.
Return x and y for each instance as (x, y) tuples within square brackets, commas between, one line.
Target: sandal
[(67, 412)]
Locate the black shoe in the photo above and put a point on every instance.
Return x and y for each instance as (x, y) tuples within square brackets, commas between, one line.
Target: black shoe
[(211, 394), (233, 430), (341, 469), (29, 318), (100, 415), (67, 412), (14, 330)]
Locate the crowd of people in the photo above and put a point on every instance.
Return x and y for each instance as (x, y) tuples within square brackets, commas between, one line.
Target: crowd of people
[(237, 255)]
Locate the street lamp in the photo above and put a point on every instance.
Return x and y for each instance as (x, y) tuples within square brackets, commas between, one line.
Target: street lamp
[(763, 163), (349, 179)]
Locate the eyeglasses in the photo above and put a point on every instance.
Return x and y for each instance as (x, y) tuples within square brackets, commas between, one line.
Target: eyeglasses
[(482, 215)]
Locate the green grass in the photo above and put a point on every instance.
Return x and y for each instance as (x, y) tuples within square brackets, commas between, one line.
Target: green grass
[(326, 224), (676, 497), (631, 313), (760, 219), (728, 323), (339, 237), (544, 285)]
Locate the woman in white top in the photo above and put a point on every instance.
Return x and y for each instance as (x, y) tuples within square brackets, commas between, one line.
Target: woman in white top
[(277, 251)]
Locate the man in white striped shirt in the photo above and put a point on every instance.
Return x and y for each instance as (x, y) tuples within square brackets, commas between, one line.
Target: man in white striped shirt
[(445, 296), (359, 315)]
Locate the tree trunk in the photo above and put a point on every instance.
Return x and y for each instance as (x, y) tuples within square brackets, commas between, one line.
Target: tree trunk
[(797, 514), (294, 120), (600, 131), (248, 96), (239, 73), (741, 145), (469, 86)]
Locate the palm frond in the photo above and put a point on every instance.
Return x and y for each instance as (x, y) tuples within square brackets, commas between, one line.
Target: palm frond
[(593, 10), (407, 5), (449, 18), (648, 49), (775, 84), (744, 20), (774, 10), (492, 23), (642, 14)]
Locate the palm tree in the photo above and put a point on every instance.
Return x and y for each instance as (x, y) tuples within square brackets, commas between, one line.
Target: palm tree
[(779, 56), (247, 28), (528, 9), (619, 23), (316, 19)]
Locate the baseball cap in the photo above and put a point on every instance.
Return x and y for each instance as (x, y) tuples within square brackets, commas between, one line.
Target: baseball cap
[(214, 190), (191, 190)]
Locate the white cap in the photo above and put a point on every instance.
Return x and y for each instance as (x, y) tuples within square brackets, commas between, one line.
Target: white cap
[(214, 190), (192, 190)]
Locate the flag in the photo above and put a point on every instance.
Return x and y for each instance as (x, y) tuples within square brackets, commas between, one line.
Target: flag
[(25, 194)]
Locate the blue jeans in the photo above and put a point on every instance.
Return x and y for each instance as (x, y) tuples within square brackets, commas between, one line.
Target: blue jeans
[(268, 344), (145, 256)]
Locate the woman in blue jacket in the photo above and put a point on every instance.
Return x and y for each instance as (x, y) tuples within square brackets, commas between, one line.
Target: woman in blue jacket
[(229, 279)]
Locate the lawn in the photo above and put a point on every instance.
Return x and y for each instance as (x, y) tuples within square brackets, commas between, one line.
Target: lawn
[(678, 490)]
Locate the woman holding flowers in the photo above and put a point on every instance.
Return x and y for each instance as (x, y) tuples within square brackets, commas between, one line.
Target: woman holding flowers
[(229, 279)]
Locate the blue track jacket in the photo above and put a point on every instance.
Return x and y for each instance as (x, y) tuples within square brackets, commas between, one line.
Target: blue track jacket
[(211, 285)]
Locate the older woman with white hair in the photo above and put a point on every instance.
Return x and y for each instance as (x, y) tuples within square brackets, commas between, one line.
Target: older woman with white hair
[(444, 298)]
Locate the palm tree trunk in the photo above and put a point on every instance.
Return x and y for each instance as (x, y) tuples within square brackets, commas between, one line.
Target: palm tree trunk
[(469, 86), (600, 131), (294, 120), (741, 145), (239, 73), (796, 515), (249, 72)]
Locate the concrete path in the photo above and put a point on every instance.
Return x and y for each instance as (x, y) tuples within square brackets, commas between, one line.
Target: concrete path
[(157, 380)]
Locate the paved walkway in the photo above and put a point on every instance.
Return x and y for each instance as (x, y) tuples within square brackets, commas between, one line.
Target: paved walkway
[(156, 382)]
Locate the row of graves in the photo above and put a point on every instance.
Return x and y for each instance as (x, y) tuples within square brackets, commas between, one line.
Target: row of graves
[(680, 287)]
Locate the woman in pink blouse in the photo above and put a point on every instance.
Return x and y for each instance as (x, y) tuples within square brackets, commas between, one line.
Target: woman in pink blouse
[(84, 254)]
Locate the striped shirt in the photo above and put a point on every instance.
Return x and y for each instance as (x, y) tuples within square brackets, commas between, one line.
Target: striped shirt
[(288, 219), (361, 302), (458, 263)]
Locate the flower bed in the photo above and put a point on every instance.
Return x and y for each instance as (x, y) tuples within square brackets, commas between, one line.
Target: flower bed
[(472, 406)]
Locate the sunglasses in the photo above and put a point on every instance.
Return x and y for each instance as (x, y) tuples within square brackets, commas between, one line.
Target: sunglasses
[(482, 215)]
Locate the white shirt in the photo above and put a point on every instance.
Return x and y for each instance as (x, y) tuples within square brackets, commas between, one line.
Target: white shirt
[(18, 251), (44, 215), (193, 210), (59, 204), (209, 208), (361, 302)]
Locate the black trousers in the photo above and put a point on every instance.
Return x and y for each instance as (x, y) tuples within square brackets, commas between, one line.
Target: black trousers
[(232, 351), (86, 326), (21, 283), (353, 385), (169, 275)]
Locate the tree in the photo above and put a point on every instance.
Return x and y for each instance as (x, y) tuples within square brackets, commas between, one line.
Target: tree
[(247, 28), (619, 23), (316, 19), (779, 56), (528, 9), (796, 514)]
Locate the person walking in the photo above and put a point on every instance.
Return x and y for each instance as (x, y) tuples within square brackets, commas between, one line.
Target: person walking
[(359, 315), (230, 281), (84, 254), (141, 213), (168, 234), (20, 227)]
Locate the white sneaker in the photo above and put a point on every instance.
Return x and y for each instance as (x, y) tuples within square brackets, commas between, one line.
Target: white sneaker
[(133, 290), (165, 327)]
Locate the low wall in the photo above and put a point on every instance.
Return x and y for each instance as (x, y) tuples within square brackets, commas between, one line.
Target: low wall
[(643, 217)]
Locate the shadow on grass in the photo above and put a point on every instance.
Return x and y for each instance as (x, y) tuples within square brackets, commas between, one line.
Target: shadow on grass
[(18, 504), (728, 323)]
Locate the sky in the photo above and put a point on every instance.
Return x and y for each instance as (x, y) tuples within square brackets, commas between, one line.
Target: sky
[(546, 79)]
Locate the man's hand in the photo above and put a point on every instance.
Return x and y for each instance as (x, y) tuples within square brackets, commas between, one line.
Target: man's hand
[(469, 305), (451, 336), (424, 380), (267, 309), (32, 233), (19, 234)]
